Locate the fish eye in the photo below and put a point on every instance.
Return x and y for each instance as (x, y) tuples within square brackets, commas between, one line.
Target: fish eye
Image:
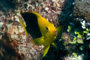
[(47, 28)]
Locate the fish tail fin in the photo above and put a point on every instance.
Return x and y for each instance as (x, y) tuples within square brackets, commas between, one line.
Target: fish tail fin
[(23, 27)]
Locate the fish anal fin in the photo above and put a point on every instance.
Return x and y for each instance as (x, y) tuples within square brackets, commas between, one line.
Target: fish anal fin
[(38, 41)]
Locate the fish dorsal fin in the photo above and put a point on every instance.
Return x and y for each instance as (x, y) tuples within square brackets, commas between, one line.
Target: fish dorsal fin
[(38, 15)]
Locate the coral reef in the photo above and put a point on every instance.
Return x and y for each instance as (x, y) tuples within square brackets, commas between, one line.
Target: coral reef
[(14, 44), (74, 43), (82, 9)]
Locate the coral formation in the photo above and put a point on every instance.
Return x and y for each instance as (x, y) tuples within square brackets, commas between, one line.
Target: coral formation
[(82, 9), (74, 43), (16, 43)]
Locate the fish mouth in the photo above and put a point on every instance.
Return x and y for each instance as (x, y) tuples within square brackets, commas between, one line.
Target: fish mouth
[(55, 32)]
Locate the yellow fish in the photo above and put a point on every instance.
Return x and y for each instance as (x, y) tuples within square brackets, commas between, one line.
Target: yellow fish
[(42, 31)]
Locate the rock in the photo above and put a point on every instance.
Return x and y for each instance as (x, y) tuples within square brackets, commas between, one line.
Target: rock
[(82, 9), (15, 45)]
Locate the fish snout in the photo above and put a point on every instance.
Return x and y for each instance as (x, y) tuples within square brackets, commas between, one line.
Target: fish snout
[(55, 31)]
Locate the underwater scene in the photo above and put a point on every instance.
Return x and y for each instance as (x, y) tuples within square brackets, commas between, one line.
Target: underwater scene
[(44, 29)]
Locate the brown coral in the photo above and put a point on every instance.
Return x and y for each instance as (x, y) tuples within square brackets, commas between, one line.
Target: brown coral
[(82, 9)]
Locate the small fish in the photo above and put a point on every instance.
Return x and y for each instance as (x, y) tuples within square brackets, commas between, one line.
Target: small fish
[(42, 31)]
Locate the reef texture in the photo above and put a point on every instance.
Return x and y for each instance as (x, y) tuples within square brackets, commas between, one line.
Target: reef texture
[(72, 44), (14, 45), (49, 9), (82, 9)]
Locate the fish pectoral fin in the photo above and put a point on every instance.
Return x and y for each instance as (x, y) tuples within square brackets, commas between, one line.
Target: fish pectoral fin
[(23, 27), (46, 48), (54, 45), (59, 30), (38, 41)]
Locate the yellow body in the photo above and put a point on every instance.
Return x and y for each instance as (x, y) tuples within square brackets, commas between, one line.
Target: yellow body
[(48, 31)]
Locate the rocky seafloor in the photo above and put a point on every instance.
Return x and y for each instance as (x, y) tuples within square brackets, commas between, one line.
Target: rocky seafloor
[(72, 44)]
